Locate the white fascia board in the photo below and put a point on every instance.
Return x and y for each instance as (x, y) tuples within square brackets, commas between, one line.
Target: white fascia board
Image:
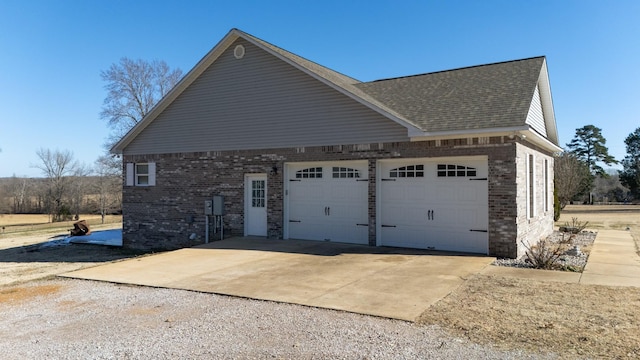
[(535, 138), (547, 104), (187, 80), (524, 132), (422, 135)]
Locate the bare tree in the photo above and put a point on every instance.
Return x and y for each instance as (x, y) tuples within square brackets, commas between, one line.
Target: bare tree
[(108, 184), (19, 192), (134, 87), (572, 177), (78, 188), (57, 167)]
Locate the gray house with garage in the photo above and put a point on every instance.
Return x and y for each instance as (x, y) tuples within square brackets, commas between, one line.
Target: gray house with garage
[(456, 160)]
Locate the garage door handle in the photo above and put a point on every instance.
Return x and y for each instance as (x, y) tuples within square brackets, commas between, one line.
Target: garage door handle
[(295, 221), (478, 179), (478, 230), (362, 179), (362, 224), (388, 226), (388, 179)]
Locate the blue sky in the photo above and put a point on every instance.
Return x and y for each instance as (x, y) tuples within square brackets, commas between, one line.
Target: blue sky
[(52, 52)]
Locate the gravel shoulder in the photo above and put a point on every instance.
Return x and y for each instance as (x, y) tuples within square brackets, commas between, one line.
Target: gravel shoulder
[(74, 319)]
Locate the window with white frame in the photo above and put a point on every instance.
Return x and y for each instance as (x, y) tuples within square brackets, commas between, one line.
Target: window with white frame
[(531, 186), (546, 185), (141, 174)]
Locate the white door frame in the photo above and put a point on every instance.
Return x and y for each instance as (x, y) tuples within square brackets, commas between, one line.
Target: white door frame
[(247, 201)]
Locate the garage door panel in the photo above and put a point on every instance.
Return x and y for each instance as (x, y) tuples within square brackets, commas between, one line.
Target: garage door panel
[(409, 237), (439, 210), (306, 230), (305, 211), (343, 231), (404, 215), (331, 204), (467, 241)]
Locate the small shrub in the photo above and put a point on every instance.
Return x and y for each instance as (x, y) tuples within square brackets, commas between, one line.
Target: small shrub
[(575, 226), (544, 255)]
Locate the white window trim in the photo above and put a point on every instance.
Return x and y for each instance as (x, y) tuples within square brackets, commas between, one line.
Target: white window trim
[(132, 176), (546, 185), (531, 185)]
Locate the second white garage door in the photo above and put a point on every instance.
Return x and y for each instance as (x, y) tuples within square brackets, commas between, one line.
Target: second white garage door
[(327, 201), (439, 204)]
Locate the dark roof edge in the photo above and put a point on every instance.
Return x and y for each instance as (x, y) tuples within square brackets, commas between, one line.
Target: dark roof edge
[(462, 68)]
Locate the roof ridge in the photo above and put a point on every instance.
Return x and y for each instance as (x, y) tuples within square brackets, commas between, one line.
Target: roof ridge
[(456, 69)]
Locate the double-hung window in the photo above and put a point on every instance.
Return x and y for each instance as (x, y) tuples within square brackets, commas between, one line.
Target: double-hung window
[(141, 174)]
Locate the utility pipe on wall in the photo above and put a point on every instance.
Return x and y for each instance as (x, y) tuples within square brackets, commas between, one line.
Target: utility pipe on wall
[(206, 229)]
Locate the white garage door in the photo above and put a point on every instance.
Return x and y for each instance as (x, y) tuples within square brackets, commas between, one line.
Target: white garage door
[(439, 204), (327, 201)]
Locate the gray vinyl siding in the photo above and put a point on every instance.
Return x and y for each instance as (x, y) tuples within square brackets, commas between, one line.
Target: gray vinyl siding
[(260, 102), (535, 117)]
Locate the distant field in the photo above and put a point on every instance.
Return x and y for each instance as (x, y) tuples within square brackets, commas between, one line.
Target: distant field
[(616, 217), (14, 223), (22, 219)]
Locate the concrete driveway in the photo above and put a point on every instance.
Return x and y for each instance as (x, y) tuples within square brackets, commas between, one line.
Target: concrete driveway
[(388, 282)]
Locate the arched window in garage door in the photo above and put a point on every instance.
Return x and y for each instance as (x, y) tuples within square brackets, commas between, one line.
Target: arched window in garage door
[(345, 173), (407, 171), (451, 170), (309, 173)]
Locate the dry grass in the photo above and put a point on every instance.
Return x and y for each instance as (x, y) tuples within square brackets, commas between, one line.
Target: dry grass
[(573, 320), (27, 224)]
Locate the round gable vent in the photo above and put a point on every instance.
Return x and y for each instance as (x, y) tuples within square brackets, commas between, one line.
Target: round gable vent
[(238, 52)]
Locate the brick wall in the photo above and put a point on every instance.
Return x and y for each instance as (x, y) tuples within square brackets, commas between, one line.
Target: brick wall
[(165, 216), (537, 224)]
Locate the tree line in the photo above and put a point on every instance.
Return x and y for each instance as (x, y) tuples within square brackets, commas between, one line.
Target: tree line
[(579, 176), (67, 188)]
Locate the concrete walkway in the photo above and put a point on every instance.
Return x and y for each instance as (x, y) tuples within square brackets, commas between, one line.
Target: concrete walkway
[(388, 282), (613, 261)]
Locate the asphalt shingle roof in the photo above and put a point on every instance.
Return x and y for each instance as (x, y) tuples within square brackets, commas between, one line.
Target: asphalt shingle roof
[(480, 97)]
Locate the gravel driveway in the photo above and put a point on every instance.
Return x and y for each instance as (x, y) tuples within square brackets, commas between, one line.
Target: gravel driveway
[(78, 319)]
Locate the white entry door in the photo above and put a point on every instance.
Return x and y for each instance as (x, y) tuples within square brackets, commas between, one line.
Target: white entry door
[(255, 204)]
